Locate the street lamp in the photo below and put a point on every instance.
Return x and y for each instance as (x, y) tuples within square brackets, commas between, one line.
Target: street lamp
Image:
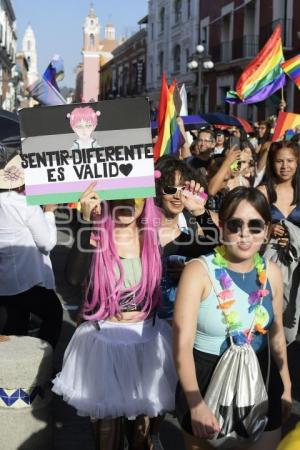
[(201, 61)]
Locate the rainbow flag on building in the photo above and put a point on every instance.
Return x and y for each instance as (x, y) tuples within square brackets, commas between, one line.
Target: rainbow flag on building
[(292, 69), (285, 121), (170, 138), (263, 76)]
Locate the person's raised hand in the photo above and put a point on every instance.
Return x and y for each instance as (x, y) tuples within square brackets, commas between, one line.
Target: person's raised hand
[(90, 202), (194, 198), (50, 208), (233, 154)]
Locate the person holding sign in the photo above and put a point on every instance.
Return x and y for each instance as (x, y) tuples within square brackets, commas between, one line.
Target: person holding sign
[(119, 362)]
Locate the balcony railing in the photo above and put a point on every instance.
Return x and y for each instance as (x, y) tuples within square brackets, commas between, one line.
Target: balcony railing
[(250, 45), (226, 51)]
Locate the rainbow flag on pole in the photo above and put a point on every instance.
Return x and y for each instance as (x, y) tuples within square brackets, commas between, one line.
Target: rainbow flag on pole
[(170, 138), (263, 76), (292, 69), (285, 121)]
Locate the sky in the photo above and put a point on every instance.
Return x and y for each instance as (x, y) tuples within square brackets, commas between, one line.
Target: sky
[(57, 25)]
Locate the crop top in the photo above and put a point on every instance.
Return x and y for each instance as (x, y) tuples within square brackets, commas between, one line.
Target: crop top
[(293, 217), (211, 336), (79, 262)]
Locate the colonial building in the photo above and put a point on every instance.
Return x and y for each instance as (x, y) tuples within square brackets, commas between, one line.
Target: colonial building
[(173, 34), (95, 51), (125, 74), (8, 39), (233, 33), (21, 71)]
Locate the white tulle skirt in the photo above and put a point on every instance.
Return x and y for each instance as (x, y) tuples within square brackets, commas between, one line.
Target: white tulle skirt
[(123, 369)]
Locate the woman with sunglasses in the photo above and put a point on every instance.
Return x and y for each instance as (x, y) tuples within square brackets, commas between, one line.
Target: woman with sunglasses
[(201, 333), (187, 229), (119, 365)]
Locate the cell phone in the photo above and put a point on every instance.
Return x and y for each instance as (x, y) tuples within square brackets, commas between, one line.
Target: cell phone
[(234, 140)]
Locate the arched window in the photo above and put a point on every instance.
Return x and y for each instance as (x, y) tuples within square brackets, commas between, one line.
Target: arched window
[(160, 63), (177, 10), (176, 58), (162, 19), (92, 40)]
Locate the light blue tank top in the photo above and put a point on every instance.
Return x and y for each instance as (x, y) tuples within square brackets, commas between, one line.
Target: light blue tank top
[(211, 336)]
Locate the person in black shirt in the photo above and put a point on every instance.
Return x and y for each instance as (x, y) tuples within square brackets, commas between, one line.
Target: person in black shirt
[(205, 146), (187, 229)]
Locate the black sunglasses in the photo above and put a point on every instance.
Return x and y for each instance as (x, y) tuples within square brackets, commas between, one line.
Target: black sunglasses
[(171, 190), (255, 226)]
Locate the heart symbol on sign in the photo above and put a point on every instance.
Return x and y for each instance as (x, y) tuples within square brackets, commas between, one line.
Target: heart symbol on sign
[(125, 169)]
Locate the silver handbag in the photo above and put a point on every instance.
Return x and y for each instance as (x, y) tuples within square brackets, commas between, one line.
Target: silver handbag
[(237, 395)]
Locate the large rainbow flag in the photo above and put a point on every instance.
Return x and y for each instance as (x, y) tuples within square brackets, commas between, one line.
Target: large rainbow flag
[(263, 76), (285, 121), (170, 138), (292, 69)]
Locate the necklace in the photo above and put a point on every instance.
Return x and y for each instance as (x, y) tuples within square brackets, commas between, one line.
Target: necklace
[(226, 299)]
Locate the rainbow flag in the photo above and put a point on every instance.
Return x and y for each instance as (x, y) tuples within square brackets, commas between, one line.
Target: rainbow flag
[(286, 121), (263, 76), (292, 69), (170, 138)]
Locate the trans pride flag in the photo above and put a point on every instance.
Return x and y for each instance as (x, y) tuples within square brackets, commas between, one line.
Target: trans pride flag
[(263, 76), (45, 90), (292, 69), (170, 138)]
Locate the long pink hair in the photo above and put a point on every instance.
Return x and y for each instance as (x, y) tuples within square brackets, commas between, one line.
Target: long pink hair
[(105, 287)]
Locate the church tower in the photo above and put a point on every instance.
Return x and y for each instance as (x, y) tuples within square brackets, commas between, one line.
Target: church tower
[(91, 57), (30, 52)]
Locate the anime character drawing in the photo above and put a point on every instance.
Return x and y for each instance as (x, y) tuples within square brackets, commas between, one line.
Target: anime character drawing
[(83, 121)]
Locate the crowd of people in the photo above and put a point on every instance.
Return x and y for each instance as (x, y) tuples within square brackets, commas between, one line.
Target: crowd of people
[(214, 256)]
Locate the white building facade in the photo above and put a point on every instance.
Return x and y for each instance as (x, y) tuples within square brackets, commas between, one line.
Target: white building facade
[(8, 44), (173, 33)]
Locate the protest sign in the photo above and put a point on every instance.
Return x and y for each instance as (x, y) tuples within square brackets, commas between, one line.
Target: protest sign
[(67, 147)]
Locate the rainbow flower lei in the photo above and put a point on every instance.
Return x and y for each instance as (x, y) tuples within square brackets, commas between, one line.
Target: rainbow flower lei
[(226, 299)]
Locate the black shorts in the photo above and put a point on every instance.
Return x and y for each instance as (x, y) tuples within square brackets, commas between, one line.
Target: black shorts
[(205, 364)]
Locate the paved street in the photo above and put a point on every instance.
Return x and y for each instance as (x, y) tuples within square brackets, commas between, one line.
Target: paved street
[(73, 432)]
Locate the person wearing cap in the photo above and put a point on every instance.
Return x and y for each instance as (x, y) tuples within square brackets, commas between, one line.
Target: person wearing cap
[(27, 235)]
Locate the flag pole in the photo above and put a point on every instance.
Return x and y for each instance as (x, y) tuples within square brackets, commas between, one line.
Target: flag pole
[(282, 103)]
